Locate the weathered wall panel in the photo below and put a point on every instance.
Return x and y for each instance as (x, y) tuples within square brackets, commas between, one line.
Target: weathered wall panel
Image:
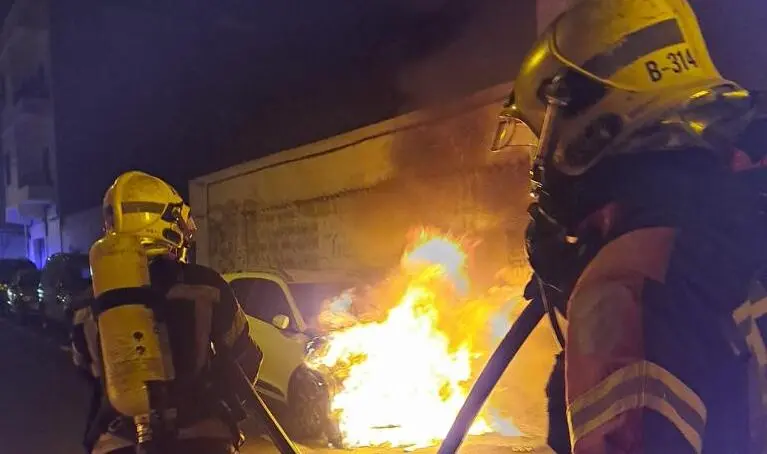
[(351, 207)]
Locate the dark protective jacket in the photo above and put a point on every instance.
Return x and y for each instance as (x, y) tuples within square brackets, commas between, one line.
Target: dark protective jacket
[(664, 353), (200, 309)]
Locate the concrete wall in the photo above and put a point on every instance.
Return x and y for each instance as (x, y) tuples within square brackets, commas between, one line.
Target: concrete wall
[(348, 203), (13, 243), (81, 229), (43, 237)]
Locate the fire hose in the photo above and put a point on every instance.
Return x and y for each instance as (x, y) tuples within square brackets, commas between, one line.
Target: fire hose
[(273, 428), (503, 355)]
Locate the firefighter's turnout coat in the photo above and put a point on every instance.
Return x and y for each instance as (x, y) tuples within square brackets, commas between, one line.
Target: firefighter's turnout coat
[(200, 309), (666, 326)]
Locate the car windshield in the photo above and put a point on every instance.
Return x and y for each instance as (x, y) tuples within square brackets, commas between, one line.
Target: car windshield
[(310, 296), (263, 299), (29, 279), (68, 272), (10, 267)]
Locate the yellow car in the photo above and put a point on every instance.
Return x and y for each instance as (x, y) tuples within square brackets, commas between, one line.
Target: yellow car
[(281, 307)]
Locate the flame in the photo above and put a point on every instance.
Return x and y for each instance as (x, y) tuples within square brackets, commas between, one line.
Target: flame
[(401, 379)]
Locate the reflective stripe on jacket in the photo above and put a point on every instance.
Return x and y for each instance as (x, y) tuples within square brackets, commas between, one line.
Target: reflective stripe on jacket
[(650, 363), (751, 321)]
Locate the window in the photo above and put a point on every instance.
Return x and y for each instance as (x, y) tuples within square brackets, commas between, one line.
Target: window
[(310, 297), (263, 299), (29, 280)]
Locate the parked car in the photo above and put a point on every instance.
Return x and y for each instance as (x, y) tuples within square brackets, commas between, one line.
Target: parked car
[(277, 305), (65, 281), (24, 297), (8, 270)]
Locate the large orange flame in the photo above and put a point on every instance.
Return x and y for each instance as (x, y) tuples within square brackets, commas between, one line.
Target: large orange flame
[(402, 378)]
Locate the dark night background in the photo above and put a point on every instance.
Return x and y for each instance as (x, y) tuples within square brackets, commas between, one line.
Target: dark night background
[(183, 88)]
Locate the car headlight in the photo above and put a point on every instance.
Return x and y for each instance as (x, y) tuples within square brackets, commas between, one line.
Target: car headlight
[(314, 349), (40, 292), (64, 299)]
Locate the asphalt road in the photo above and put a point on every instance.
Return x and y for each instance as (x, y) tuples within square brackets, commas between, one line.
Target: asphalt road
[(44, 402)]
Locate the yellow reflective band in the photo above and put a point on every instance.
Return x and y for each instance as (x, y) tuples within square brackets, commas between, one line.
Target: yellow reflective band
[(641, 385), (759, 308), (745, 317), (634, 46), (742, 313), (238, 326)]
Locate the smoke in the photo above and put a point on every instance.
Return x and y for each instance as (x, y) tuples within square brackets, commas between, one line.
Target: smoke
[(477, 44)]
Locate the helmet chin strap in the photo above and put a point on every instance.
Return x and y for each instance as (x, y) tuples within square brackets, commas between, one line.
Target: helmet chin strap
[(557, 98)]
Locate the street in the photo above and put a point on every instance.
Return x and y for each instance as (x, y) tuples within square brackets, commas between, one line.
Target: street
[(44, 403)]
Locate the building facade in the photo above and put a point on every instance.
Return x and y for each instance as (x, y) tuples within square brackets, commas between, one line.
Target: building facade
[(28, 137), (30, 189)]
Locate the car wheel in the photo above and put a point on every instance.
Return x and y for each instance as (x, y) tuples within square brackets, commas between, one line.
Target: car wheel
[(309, 417)]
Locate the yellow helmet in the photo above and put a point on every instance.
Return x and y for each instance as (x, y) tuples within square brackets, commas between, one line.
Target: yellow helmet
[(149, 208), (620, 76)]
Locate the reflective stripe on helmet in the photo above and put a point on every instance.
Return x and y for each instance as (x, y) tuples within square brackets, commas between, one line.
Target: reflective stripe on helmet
[(634, 46), (142, 207), (642, 385)]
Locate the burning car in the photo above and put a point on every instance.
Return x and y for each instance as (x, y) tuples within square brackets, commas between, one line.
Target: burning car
[(403, 353), (388, 364), (281, 307)]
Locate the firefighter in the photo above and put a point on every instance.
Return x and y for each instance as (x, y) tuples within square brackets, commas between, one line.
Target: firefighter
[(643, 232), (198, 310)]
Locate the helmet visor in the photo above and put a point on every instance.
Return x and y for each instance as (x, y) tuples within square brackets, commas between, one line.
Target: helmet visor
[(512, 134), (149, 211), (180, 215)]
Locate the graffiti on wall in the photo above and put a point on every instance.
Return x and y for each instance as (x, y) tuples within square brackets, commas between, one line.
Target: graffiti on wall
[(367, 229), (223, 236), (301, 235)]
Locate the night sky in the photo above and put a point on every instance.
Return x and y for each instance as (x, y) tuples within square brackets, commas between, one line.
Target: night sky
[(181, 88), (183, 92)]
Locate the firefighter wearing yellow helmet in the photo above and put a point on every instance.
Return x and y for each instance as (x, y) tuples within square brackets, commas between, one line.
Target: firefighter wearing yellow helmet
[(643, 233), (156, 318)]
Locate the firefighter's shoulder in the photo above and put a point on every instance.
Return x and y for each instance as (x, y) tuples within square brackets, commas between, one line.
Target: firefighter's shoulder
[(202, 275), (199, 283)]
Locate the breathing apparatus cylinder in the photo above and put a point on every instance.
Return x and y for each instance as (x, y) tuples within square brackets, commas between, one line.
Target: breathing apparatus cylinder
[(133, 344)]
